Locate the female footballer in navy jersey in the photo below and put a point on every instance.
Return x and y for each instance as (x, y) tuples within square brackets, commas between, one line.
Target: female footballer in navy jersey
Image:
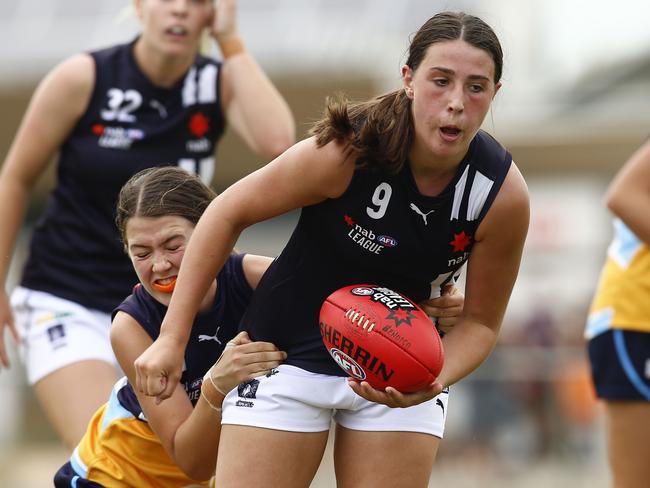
[(154, 101), (133, 440), (413, 167)]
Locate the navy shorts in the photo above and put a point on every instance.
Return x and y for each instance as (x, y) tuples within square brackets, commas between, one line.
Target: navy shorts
[(66, 477), (620, 365)]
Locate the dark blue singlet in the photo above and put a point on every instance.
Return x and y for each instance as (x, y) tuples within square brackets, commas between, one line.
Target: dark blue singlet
[(382, 231), (129, 125)]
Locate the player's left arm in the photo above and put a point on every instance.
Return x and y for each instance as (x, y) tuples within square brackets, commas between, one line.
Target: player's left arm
[(189, 435), (628, 195), (491, 274), (252, 104), (492, 270)]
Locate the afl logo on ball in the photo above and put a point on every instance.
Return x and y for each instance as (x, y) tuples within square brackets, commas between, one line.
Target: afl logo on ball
[(349, 365), (362, 291)]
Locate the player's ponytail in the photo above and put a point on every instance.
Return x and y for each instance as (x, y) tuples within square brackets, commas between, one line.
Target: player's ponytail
[(380, 130)]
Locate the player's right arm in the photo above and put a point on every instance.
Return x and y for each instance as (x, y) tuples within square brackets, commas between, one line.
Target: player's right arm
[(628, 195), (57, 104), (303, 175), (190, 435)]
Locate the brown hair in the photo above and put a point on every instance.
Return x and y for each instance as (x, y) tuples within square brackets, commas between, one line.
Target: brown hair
[(156, 192), (380, 130)]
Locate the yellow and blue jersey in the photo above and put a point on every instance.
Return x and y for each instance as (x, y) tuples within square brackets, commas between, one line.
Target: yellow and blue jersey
[(621, 299), (119, 448)]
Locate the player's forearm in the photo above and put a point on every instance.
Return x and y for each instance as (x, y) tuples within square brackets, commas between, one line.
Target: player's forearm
[(628, 195), (207, 251), (266, 115), (13, 202), (197, 440), (466, 346)]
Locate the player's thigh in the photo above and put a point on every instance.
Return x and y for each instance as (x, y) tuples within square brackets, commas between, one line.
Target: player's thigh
[(257, 457), (628, 430), (383, 459), (70, 396)]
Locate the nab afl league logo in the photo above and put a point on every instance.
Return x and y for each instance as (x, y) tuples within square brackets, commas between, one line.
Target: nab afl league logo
[(362, 291), (348, 364)]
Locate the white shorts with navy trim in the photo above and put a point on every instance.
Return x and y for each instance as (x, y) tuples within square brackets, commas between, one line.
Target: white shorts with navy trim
[(55, 332), (295, 400)]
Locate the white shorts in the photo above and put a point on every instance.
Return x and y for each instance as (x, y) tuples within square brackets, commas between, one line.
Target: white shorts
[(55, 332), (296, 400)]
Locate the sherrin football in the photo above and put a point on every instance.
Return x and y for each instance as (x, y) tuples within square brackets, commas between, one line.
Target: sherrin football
[(378, 335)]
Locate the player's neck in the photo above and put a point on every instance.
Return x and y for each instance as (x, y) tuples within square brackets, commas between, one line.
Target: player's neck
[(163, 71), (432, 173)]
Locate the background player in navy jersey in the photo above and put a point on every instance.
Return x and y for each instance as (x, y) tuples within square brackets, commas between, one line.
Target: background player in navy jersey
[(618, 328), (132, 440), (151, 102), (413, 168)]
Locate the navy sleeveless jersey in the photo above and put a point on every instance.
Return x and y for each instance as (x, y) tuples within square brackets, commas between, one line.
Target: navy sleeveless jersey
[(211, 330), (129, 125), (381, 231)]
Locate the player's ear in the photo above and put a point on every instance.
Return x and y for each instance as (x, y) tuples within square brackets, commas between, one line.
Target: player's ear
[(496, 88), (137, 6), (407, 80)]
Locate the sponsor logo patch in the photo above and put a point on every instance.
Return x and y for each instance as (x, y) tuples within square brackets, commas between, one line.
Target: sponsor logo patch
[(248, 389), (116, 137), (366, 238), (56, 335)]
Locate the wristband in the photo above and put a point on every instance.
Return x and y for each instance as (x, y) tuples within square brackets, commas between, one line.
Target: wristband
[(213, 407), (231, 47), (214, 385)]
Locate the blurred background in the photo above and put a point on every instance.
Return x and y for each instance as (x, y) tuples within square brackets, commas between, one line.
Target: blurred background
[(575, 103)]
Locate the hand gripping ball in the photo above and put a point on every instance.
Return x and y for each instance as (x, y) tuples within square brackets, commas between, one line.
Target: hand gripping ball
[(378, 335)]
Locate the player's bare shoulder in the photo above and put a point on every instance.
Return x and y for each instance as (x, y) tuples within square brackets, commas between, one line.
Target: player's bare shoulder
[(334, 163), (511, 207), (71, 83), (78, 71)]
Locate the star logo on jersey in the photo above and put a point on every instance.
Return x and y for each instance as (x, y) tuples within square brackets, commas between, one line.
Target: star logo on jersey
[(348, 220), (199, 124), (460, 242), (401, 316), (97, 129)]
